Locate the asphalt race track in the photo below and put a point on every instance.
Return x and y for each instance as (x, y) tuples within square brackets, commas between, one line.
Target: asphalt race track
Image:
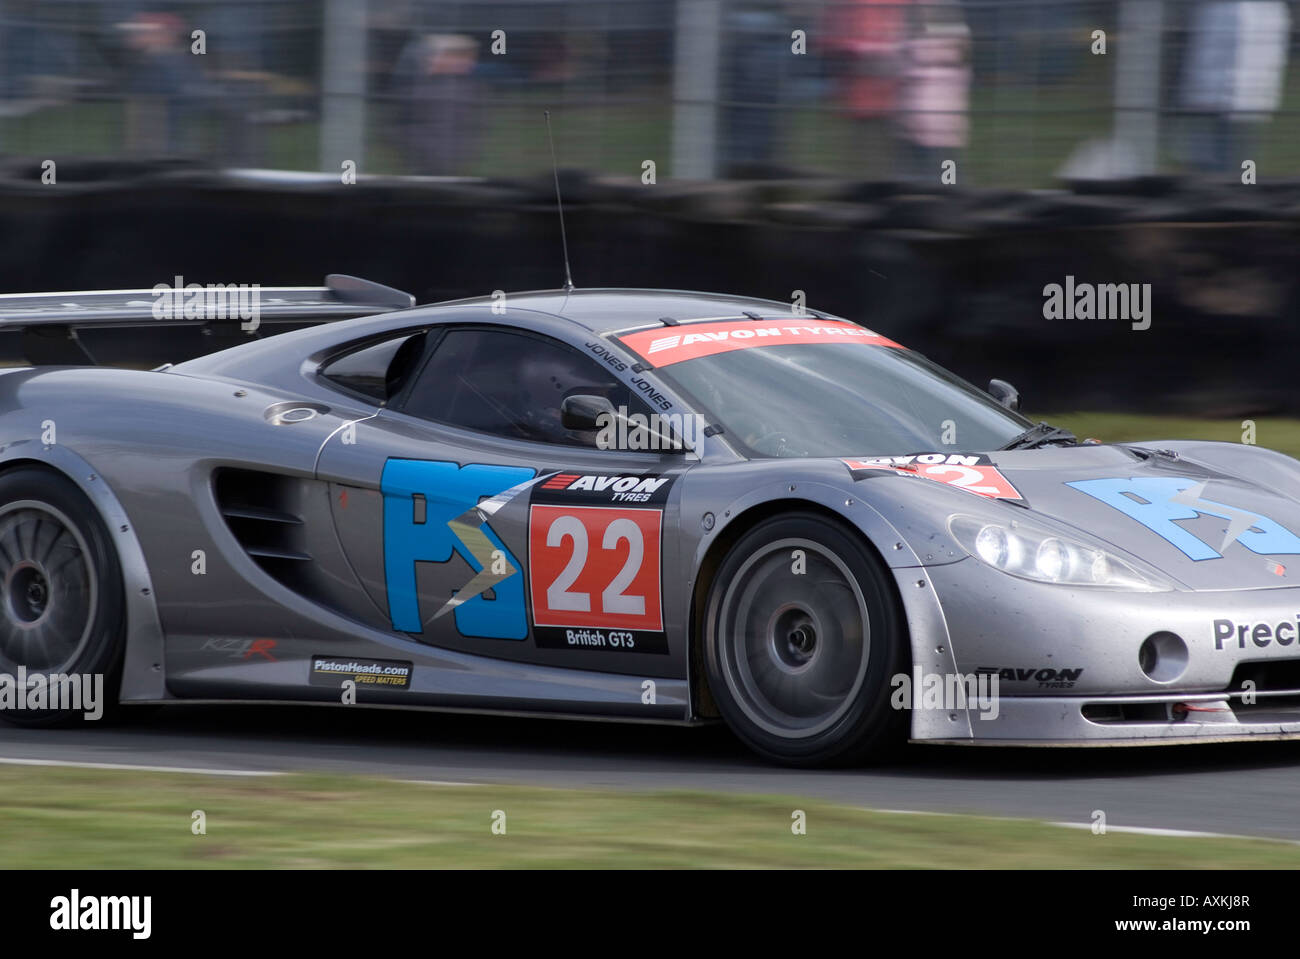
[(1243, 789)]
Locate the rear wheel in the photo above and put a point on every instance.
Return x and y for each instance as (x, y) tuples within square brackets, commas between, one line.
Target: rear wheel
[(61, 602), (802, 636)]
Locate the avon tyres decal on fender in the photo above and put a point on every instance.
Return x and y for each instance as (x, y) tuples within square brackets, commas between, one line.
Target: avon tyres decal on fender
[(595, 569), (663, 346), (974, 473), (434, 510)]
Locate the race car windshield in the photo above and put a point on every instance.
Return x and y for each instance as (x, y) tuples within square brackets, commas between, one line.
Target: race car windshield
[(841, 399)]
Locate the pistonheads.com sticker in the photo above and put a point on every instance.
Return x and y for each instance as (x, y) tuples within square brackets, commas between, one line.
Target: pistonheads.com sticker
[(333, 670)]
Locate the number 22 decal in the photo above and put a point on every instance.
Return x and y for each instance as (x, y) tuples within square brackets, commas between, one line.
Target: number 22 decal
[(595, 566)]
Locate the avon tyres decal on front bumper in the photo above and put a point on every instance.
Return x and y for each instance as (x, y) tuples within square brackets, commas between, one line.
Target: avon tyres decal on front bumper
[(974, 473), (664, 346), (595, 569)]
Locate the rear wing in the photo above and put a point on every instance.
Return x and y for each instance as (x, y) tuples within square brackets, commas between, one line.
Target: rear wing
[(173, 323)]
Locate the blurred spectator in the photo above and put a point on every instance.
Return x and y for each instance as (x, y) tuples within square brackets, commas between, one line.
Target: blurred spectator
[(754, 65), (241, 92), (164, 84), (866, 47), (1232, 78), (438, 92), (39, 65), (935, 90)]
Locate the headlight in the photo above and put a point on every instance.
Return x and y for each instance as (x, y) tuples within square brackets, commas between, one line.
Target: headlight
[(1032, 552)]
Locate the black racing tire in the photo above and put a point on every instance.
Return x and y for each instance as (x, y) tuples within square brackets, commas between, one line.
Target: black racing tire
[(800, 663), (62, 608)]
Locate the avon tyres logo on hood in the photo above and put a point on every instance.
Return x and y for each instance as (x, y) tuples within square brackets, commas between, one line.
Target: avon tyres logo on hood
[(975, 473), (1160, 503), (668, 345)]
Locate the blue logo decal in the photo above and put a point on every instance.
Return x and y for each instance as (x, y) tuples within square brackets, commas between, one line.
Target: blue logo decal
[(1159, 502), (429, 514)]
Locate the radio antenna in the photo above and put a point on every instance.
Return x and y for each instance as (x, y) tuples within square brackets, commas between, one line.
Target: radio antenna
[(559, 204)]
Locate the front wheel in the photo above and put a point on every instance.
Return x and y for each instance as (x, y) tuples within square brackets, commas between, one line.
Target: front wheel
[(803, 635)]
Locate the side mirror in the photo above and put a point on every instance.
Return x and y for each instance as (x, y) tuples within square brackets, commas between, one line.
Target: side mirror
[(1006, 394), (586, 413), (582, 412)]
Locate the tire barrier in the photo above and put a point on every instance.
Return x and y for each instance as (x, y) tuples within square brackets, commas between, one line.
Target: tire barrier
[(960, 275)]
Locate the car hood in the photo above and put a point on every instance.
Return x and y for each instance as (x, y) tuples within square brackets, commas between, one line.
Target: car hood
[(1206, 526)]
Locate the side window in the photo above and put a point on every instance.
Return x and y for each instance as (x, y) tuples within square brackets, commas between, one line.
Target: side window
[(511, 384), (377, 371)]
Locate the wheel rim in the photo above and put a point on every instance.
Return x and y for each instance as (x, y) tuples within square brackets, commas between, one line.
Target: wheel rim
[(794, 646), (48, 589)]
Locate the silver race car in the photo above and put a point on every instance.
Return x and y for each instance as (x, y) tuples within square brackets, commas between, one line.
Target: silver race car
[(628, 504)]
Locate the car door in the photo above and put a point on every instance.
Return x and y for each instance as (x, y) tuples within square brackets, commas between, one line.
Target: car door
[(477, 522)]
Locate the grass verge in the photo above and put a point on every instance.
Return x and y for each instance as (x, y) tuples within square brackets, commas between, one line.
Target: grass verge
[(54, 817), (1277, 433)]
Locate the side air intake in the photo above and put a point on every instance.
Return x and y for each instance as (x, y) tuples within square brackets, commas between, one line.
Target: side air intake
[(261, 512)]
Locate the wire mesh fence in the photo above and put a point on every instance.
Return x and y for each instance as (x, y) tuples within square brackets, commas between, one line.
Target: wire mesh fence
[(994, 92)]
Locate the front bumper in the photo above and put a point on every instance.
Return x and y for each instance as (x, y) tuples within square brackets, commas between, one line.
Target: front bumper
[(1133, 721), (1069, 668)]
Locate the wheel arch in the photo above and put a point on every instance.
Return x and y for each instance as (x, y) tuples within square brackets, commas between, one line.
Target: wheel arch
[(716, 551), (143, 673)]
